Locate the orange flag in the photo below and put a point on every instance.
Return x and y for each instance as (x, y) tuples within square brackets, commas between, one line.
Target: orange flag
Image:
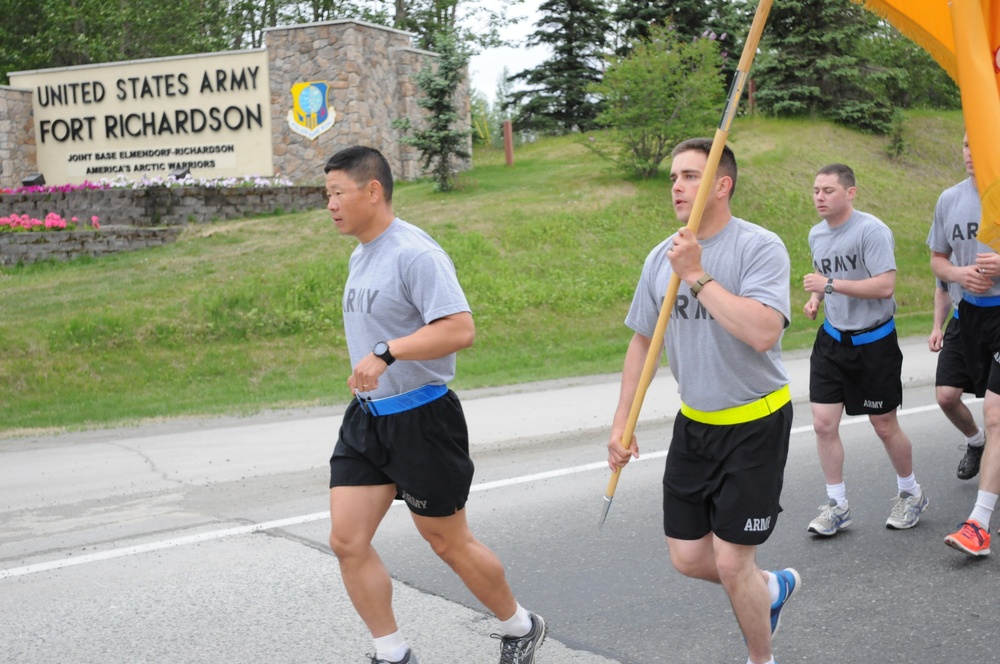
[(963, 36)]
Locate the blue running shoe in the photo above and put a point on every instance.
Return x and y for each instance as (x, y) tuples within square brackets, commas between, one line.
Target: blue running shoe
[(789, 582)]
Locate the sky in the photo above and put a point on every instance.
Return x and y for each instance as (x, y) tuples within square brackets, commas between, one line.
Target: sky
[(485, 69)]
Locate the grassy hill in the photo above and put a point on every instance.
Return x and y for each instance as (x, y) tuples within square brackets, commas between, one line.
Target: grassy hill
[(245, 315)]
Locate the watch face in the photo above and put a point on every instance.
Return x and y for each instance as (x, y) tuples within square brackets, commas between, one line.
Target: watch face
[(380, 348)]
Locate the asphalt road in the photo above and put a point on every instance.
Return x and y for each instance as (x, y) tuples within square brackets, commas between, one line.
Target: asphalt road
[(141, 546), (869, 594)]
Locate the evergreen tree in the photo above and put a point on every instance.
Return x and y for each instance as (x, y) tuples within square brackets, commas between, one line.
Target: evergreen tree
[(632, 19), (438, 140), (811, 64), (923, 84), (724, 21), (558, 99)]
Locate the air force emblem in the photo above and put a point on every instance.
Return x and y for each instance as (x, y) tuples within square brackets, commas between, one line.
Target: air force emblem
[(310, 114)]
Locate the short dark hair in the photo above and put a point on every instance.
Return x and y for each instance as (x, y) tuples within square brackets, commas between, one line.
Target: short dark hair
[(363, 164), (727, 161), (844, 173)]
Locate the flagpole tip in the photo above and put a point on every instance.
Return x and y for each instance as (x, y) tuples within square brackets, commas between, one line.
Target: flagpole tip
[(605, 507)]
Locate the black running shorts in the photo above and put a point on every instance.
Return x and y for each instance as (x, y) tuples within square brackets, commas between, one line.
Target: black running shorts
[(726, 479), (951, 370), (866, 379), (423, 451), (980, 334)]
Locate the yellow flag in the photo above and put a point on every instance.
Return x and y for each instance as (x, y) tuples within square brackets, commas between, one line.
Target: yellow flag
[(963, 36)]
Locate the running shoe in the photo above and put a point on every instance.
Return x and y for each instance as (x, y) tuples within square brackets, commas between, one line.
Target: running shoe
[(968, 467), (521, 649), (788, 582), (970, 538), (907, 510), (409, 658), (831, 519)]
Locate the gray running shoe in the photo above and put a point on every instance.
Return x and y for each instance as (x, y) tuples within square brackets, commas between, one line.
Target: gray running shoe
[(409, 658), (968, 467), (831, 519), (907, 510), (521, 649)]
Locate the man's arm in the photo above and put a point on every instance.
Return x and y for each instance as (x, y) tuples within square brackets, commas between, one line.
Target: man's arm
[(635, 360), (752, 322), (942, 305), (966, 276), (438, 338)]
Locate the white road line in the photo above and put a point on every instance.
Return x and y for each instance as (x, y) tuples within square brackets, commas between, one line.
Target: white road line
[(308, 518)]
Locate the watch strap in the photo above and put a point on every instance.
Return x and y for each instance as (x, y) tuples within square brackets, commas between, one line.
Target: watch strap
[(698, 285), (384, 356)]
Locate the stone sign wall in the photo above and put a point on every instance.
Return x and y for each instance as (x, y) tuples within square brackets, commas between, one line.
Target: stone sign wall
[(25, 248), (17, 138), (325, 86)]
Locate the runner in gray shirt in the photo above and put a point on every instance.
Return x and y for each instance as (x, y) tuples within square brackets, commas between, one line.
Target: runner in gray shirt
[(958, 257), (953, 237), (856, 362), (404, 436), (724, 472)]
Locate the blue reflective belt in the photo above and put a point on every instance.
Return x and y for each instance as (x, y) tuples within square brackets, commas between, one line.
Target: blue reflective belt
[(954, 313), (993, 301), (402, 402), (861, 338)]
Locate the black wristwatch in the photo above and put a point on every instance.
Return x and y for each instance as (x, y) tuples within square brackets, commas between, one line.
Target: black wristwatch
[(381, 351), (826, 289)]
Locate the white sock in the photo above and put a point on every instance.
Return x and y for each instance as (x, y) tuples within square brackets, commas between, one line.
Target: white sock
[(518, 624), (770, 661), (977, 440), (392, 647), (837, 492), (983, 511), (909, 485), (772, 586)]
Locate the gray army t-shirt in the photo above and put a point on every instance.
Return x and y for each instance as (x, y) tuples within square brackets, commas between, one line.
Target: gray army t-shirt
[(714, 369), (956, 222), (860, 248), (397, 283)]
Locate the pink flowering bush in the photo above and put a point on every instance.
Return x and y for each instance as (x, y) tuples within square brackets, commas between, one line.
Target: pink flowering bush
[(52, 222)]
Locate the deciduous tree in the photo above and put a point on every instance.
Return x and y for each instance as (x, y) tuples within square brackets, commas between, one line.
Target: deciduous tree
[(666, 90)]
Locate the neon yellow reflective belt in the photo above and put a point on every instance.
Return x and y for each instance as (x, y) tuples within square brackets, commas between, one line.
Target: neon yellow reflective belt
[(739, 414)]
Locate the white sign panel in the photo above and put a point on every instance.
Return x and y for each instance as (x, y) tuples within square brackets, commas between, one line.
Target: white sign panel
[(209, 113)]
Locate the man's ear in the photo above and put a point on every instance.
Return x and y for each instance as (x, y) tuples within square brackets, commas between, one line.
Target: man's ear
[(375, 191), (723, 186)]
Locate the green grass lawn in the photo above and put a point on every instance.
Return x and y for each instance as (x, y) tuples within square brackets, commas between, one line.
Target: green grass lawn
[(244, 315)]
